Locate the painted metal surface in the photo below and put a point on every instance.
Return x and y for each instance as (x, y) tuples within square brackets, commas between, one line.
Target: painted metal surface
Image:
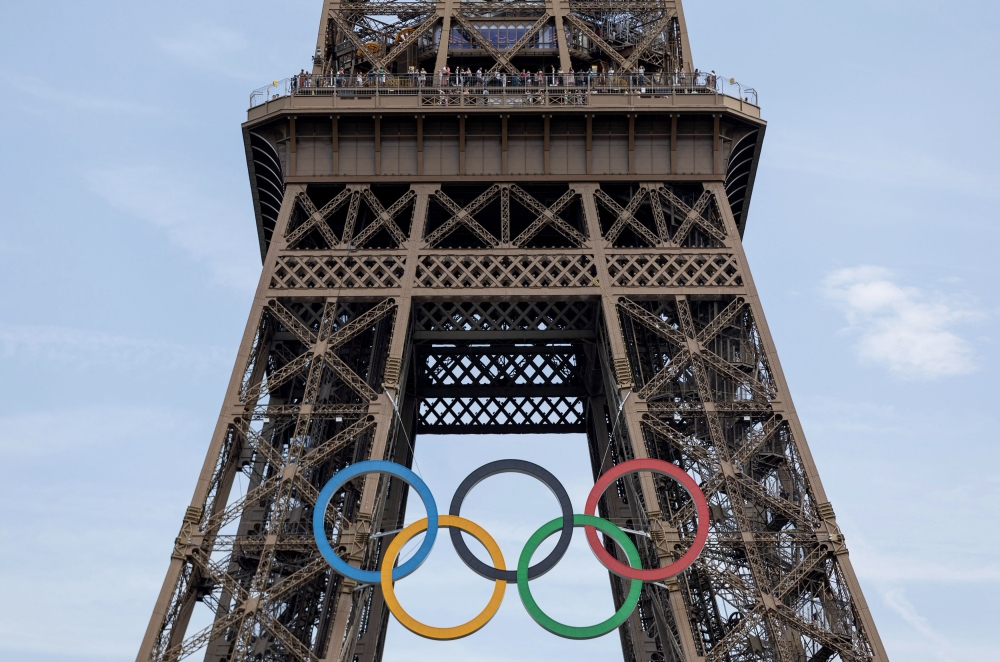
[(584, 264)]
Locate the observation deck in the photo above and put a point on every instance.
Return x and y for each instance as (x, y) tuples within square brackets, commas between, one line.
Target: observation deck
[(503, 93), (334, 128)]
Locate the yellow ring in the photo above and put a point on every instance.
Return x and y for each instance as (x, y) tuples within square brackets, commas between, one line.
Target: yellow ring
[(429, 631)]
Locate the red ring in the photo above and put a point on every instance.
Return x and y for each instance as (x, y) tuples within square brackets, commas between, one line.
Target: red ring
[(661, 467)]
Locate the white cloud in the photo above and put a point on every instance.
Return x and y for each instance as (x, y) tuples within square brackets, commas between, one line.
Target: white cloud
[(85, 349), (209, 228), (901, 327), (939, 647)]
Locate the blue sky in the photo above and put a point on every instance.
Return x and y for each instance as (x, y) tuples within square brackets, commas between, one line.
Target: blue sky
[(128, 259)]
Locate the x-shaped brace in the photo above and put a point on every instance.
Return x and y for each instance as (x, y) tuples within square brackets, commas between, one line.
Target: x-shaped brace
[(690, 348), (692, 216), (515, 48), (316, 218), (546, 216), (324, 347), (625, 217), (650, 35), (464, 216), (593, 37), (384, 218), (624, 64), (485, 43), (382, 63)]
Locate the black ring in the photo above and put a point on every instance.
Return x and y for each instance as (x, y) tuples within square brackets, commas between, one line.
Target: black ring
[(530, 469)]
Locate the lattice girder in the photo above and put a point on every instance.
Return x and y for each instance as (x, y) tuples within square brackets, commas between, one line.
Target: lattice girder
[(619, 306), (522, 415), (501, 317)]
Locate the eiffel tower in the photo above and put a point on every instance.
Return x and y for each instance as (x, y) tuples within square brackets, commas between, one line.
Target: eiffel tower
[(507, 217)]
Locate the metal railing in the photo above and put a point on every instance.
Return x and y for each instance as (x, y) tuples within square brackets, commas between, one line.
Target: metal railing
[(502, 88)]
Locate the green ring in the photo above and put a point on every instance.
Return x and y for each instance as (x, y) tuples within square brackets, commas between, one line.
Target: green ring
[(571, 631)]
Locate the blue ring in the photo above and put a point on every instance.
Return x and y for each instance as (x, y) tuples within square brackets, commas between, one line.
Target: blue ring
[(335, 483)]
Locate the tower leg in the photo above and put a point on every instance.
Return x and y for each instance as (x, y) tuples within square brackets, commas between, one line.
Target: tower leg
[(172, 609)]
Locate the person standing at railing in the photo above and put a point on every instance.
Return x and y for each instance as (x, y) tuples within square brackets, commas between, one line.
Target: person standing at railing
[(642, 75), (422, 77)]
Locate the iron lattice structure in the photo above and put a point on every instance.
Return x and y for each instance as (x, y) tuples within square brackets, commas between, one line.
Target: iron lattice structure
[(545, 261)]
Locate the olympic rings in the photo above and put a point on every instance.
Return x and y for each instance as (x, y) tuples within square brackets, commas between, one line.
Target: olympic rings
[(571, 631), (387, 574), (428, 631), (335, 483), (535, 471), (657, 466)]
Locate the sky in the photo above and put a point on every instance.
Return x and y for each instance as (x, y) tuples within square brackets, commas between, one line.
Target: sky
[(870, 234)]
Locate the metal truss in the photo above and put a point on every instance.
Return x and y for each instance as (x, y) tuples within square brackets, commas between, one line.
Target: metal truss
[(501, 195), (319, 221), (623, 308), (388, 36), (473, 320), (682, 369), (501, 415)]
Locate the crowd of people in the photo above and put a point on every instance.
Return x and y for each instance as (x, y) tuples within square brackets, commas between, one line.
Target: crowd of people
[(465, 78)]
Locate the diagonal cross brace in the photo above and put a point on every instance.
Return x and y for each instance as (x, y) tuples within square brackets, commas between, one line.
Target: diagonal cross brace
[(516, 47), (546, 216), (484, 43), (668, 372), (625, 217), (721, 366), (651, 321), (302, 333), (638, 50), (385, 218), (744, 453), (374, 60), (277, 378), (464, 217), (722, 320), (595, 39), (326, 353), (692, 216), (678, 440), (418, 31), (317, 218)]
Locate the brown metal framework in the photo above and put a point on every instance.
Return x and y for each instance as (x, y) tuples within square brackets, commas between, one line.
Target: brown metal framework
[(475, 269)]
